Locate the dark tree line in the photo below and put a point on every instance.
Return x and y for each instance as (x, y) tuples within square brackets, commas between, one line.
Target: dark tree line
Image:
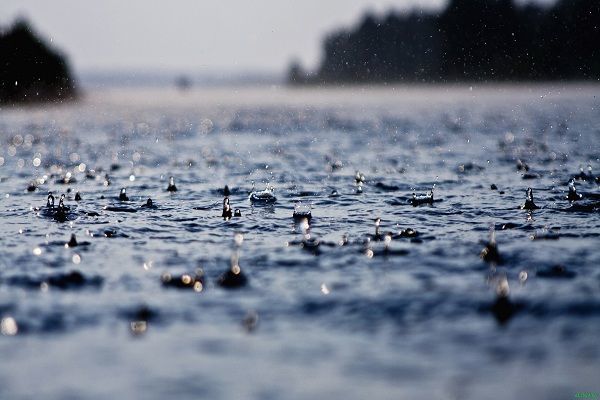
[(470, 40), (30, 71)]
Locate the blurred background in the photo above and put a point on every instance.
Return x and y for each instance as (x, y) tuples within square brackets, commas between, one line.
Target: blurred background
[(154, 43)]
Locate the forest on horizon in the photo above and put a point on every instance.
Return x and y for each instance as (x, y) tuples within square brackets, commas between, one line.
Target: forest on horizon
[(469, 40)]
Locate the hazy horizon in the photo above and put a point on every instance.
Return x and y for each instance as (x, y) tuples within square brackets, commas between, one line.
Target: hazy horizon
[(231, 38)]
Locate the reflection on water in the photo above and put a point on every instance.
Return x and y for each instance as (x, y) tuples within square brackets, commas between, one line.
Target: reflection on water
[(120, 287)]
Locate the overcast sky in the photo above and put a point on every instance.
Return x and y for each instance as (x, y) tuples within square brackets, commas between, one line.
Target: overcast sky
[(191, 34)]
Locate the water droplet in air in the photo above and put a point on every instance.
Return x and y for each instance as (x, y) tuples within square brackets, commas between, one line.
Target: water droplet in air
[(8, 326)]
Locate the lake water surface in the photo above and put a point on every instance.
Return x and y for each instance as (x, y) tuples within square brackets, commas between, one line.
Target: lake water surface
[(349, 318)]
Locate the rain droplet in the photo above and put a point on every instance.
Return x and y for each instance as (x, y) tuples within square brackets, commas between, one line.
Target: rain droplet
[(522, 277), (8, 326), (238, 239)]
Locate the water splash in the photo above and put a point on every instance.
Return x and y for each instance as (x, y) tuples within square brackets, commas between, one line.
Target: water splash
[(417, 200), (171, 187), (490, 252), (529, 203), (302, 211), (266, 196), (227, 213), (234, 277), (573, 195), (123, 195)]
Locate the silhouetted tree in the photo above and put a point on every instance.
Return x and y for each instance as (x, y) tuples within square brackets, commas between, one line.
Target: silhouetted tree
[(474, 40), (30, 71), (481, 40), (296, 74)]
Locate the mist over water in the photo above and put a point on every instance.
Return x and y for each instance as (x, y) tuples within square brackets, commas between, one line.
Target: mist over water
[(344, 313)]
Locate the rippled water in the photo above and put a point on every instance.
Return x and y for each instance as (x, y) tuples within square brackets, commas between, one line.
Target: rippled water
[(349, 319)]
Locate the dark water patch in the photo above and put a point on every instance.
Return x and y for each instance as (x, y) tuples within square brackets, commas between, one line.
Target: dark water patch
[(52, 323), (6, 308), (384, 187), (208, 207), (109, 233), (65, 281), (530, 176), (556, 272), (232, 278), (577, 309), (65, 180), (373, 314), (194, 282), (585, 235), (503, 309), (140, 313), (399, 201), (159, 237), (507, 225), (304, 193), (120, 209), (469, 168), (149, 230), (588, 207), (179, 220)]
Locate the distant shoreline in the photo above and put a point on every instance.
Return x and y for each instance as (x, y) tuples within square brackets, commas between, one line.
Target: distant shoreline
[(336, 96), (469, 41), (465, 83)]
